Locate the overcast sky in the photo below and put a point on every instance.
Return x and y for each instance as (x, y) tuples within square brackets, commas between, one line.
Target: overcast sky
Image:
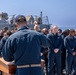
[(60, 12)]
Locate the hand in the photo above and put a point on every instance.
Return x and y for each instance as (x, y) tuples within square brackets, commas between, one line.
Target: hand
[(56, 50), (41, 54), (73, 53)]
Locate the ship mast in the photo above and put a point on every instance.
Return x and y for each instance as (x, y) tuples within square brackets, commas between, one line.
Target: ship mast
[(41, 17)]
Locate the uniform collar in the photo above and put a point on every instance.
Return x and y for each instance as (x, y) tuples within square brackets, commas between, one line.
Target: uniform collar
[(54, 34), (22, 28), (71, 37)]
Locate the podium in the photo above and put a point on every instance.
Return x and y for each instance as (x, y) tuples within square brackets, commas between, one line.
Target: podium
[(7, 68)]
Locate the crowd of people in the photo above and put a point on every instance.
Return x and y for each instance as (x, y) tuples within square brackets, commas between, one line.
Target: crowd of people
[(38, 52)]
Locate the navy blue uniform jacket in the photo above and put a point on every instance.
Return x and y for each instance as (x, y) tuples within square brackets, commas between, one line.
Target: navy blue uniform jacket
[(24, 47), (70, 44), (56, 42)]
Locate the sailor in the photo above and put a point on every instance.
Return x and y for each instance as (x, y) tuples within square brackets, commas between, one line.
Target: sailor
[(70, 44), (24, 48), (54, 53), (63, 53), (3, 40), (45, 54)]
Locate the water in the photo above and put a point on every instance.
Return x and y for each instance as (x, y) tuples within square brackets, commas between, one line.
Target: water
[(64, 28)]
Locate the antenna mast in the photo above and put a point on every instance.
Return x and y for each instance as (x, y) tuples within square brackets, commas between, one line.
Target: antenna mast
[(41, 17)]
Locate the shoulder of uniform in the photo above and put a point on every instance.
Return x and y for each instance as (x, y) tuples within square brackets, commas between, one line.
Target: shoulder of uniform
[(49, 34), (13, 36), (75, 37), (67, 37)]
